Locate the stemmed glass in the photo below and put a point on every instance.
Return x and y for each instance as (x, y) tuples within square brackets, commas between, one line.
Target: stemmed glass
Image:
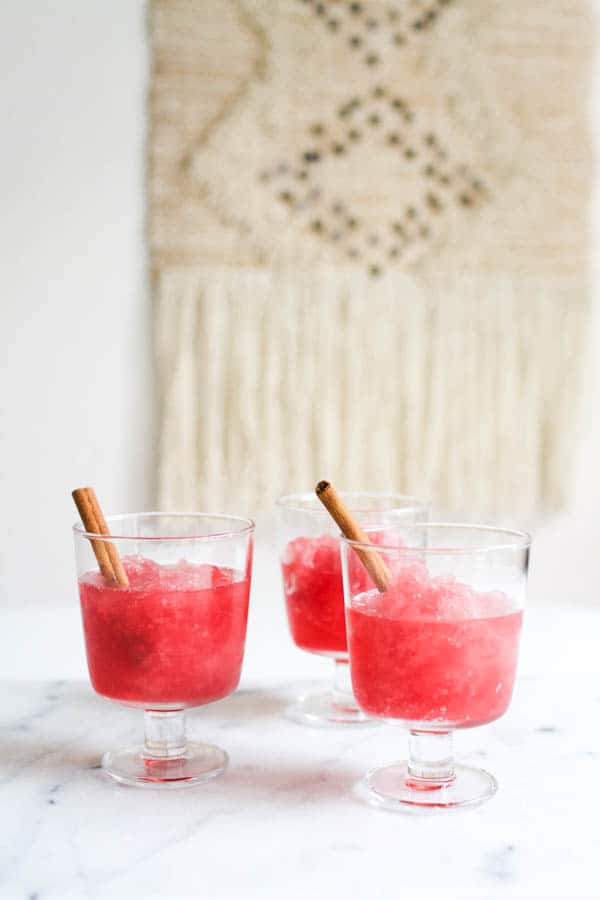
[(312, 585), (436, 651), (173, 639)]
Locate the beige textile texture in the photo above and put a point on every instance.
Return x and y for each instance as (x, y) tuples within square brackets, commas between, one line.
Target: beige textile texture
[(369, 244)]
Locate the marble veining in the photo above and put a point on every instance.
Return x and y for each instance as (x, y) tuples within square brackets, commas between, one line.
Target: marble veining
[(287, 820)]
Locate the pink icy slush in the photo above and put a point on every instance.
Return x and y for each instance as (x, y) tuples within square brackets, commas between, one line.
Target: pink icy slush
[(312, 583), (174, 638), (314, 592), (433, 650)]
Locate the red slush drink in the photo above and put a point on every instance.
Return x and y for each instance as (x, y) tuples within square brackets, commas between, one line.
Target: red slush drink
[(312, 583), (433, 650), (174, 638)]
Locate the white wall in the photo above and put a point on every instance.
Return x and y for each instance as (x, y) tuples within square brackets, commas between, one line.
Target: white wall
[(76, 389)]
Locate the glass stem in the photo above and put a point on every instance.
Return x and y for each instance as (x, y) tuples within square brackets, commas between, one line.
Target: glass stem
[(430, 759), (342, 683), (164, 732)]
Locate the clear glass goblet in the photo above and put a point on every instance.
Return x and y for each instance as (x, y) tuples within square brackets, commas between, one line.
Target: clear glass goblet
[(436, 651), (173, 639), (312, 585)]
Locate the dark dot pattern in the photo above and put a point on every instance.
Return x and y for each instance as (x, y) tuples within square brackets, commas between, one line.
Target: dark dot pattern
[(383, 116), (401, 23)]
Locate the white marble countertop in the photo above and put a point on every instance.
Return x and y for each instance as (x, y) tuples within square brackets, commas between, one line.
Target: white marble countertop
[(285, 822)]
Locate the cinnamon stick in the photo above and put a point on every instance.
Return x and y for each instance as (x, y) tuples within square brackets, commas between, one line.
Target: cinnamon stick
[(113, 553), (371, 560), (94, 522)]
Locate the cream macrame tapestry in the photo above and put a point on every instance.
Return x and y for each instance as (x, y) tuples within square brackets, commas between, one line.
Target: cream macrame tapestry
[(369, 242)]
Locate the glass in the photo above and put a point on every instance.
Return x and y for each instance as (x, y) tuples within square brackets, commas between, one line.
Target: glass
[(436, 651), (173, 639), (312, 585)]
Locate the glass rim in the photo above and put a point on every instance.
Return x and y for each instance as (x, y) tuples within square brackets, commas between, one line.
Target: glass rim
[(295, 500), (522, 540), (248, 527)]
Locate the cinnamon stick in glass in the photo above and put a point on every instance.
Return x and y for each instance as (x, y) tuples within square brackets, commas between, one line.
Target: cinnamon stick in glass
[(339, 512), (94, 522)]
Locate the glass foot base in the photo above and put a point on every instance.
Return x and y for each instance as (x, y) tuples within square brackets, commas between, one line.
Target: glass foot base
[(393, 788), (200, 763), (326, 710)]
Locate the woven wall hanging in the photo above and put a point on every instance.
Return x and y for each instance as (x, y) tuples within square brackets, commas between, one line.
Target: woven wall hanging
[(369, 247)]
